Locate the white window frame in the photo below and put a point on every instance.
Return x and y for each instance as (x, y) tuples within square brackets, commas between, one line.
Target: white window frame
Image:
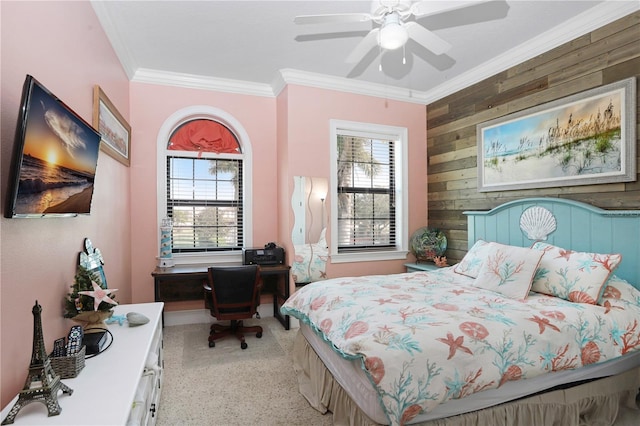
[(205, 112), (400, 136)]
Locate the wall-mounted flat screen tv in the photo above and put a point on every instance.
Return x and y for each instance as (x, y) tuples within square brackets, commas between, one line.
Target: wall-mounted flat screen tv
[(55, 155)]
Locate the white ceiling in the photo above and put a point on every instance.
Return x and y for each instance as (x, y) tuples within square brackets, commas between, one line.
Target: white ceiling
[(255, 47)]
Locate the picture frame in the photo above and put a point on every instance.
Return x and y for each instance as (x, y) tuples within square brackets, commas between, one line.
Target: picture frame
[(583, 139), (115, 131)]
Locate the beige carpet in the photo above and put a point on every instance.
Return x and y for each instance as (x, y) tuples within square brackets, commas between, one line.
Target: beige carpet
[(226, 385), (229, 386)]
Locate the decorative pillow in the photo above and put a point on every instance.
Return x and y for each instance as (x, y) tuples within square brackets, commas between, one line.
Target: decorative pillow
[(508, 270), (322, 239), (571, 275), (619, 292), (309, 263), (472, 261)]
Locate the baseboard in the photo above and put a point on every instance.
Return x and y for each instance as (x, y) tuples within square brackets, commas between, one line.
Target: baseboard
[(203, 316)]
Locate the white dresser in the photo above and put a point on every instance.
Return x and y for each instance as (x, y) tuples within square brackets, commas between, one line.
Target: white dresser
[(121, 386)]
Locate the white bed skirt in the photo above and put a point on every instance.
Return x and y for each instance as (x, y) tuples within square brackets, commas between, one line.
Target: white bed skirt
[(593, 403)]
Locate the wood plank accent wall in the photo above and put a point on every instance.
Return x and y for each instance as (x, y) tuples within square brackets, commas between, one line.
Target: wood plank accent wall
[(606, 55)]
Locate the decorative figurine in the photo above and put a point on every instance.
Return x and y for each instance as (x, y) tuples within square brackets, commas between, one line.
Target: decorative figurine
[(92, 260), (89, 303), (440, 261), (166, 253), (42, 383)]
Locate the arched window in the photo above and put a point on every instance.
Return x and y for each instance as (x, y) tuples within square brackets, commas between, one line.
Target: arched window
[(204, 185)]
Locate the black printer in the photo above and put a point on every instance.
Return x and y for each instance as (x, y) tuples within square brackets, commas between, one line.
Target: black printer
[(269, 255)]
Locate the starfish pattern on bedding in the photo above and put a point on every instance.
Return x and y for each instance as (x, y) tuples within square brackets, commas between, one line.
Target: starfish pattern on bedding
[(454, 344), (382, 301), (543, 323), (608, 307), (565, 254)]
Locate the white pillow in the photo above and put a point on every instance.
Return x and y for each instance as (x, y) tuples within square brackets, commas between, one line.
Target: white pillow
[(322, 240), (508, 270), (571, 275), (618, 293), (472, 261)]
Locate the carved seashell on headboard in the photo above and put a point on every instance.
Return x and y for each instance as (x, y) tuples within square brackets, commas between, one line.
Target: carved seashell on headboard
[(537, 223)]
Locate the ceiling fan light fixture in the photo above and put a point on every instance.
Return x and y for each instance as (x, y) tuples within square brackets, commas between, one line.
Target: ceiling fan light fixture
[(393, 34)]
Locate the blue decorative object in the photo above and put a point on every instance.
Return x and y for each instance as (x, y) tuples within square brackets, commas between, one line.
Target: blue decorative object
[(427, 243), (120, 319)]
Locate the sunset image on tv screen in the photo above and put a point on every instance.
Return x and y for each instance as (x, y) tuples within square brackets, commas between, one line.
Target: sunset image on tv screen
[(59, 159)]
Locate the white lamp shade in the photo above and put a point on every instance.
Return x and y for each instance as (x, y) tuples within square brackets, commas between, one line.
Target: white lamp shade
[(392, 34)]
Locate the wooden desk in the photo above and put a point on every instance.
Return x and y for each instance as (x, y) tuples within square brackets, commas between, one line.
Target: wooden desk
[(181, 283)]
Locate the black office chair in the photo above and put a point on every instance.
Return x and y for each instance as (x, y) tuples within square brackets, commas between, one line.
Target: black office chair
[(233, 293)]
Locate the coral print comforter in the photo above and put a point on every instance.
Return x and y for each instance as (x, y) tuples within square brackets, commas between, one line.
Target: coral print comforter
[(428, 337)]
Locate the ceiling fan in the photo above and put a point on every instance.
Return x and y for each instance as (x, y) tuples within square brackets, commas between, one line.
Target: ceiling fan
[(395, 27)]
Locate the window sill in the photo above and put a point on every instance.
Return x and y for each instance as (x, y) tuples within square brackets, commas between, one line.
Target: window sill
[(369, 256), (185, 259)]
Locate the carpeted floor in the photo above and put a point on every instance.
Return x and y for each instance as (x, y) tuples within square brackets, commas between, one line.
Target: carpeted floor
[(226, 385)]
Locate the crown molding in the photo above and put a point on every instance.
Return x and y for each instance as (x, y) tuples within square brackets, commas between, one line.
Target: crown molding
[(191, 81), (119, 46), (341, 84), (588, 21), (592, 19), (284, 77)]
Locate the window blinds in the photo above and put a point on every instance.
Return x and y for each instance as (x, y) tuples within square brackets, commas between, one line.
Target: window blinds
[(366, 193)]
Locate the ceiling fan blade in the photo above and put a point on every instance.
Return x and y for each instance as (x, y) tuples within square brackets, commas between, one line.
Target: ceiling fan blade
[(332, 18), (426, 38), (368, 42), (427, 7)]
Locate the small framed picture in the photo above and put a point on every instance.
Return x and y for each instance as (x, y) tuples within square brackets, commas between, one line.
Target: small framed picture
[(115, 131)]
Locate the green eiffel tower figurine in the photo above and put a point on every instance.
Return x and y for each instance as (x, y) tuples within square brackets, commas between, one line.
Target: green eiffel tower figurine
[(42, 384)]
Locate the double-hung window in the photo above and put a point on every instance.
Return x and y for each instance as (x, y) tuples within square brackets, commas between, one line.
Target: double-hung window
[(204, 191), (369, 212), (204, 202)]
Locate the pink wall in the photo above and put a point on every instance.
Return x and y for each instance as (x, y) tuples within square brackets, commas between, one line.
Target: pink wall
[(65, 48), (285, 178), (151, 105), (281, 129), (308, 143)]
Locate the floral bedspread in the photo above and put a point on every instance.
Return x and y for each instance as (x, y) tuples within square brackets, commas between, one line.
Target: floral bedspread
[(427, 337)]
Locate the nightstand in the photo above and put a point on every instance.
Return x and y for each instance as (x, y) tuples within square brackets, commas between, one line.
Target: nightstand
[(415, 267)]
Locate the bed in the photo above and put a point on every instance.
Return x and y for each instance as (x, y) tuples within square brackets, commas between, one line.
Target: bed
[(532, 341)]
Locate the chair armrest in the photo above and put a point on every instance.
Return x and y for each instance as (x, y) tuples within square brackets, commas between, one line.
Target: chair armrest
[(208, 295)]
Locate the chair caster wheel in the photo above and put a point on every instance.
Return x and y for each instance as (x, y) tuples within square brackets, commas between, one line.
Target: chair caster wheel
[(259, 334), (243, 345), (212, 344)]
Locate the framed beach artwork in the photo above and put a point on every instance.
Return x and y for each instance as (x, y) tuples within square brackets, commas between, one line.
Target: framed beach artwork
[(584, 139), (115, 131)]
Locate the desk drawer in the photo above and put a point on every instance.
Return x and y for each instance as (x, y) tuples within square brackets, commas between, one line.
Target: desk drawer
[(175, 290)]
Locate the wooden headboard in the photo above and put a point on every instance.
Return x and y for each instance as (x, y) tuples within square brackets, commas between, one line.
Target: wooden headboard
[(579, 227)]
